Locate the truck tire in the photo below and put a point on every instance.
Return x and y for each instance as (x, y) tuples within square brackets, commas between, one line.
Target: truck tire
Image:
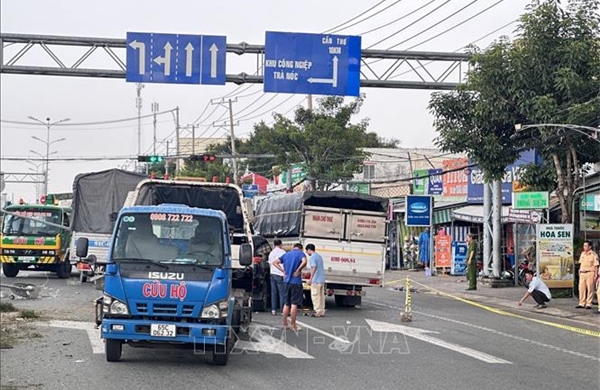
[(10, 270), (113, 349), (221, 352), (63, 270)]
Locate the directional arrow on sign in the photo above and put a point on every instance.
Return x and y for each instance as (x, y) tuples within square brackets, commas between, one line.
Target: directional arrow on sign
[(166, 60), (421, 334), (141, 48), (213, 61), (189, 51), (333, 81)]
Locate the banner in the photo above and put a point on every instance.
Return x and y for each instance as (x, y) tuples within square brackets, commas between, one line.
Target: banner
[(455, 182), (459, 258), (419, 210), (443, 251), (555, 263)]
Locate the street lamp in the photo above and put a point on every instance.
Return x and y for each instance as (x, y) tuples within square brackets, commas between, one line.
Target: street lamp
[(37, 175), (47, 142), (577, 128)]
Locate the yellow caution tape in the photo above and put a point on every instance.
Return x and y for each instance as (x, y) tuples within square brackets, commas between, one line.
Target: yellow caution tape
[(587, 332)]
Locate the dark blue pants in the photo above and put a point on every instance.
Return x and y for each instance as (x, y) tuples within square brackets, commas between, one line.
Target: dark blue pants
[(277, 292)]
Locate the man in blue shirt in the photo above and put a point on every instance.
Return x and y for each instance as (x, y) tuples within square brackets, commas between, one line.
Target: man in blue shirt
[(293, 262), (316, 281)]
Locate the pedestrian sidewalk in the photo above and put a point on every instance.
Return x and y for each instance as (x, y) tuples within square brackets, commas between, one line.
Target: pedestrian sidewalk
[(507, 297)]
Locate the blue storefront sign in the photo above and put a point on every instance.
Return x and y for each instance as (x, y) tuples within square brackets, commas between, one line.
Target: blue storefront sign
[(419, 210), (512, 174), (459, 258), (435, 186)]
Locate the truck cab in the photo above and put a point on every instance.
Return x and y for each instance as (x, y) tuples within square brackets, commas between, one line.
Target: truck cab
[(168, 281), (36, 237)]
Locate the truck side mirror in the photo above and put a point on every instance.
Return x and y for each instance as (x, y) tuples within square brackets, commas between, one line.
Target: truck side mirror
[(112, 217), (91, 260), (245, 254), (81, 249)]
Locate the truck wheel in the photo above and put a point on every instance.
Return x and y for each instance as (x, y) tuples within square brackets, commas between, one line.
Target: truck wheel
[(221, 352), (10, 270), (113, 349), (63, 270)]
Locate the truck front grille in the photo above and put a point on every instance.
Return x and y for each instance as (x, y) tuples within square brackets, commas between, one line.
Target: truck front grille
[(164, 309)]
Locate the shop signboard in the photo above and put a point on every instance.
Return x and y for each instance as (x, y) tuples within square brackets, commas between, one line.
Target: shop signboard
[(419, 210), (420, 181), (590, 202), (443, 251), (530, 200), (455, 179), (459, 258), (436, 185), (555, 254)]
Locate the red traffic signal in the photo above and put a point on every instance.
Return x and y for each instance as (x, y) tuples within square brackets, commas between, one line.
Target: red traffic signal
[(206, 157)]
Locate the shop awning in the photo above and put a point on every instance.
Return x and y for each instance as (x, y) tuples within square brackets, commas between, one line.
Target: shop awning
[(475, 214)]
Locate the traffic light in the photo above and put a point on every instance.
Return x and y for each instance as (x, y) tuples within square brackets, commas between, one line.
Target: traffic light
[(151, 159), (206, 157)]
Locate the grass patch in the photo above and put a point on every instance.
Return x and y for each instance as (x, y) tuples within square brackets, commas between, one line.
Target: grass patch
[(7, 307), (29, 314)]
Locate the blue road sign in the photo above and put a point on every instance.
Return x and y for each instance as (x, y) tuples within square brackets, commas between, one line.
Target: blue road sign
[(175, 58), (214, 50), (317, 64)]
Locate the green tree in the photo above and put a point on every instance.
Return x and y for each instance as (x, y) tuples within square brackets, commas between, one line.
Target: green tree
[(324, 139), (549, 74)]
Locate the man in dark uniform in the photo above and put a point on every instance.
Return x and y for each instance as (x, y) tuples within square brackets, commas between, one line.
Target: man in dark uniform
[(471, 262)]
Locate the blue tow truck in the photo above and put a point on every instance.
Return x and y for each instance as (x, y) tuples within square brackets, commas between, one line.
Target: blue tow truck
[(168, 282)]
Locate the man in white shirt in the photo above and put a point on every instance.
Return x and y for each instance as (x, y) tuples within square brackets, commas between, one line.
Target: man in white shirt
[(277, 285), (537, 289)]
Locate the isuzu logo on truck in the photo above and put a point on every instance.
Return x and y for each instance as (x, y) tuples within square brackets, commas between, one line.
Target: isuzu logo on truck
[(166, 275)]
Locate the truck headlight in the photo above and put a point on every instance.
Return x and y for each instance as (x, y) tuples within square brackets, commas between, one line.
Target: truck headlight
[(114, 306), (210, 311), (216, 310)]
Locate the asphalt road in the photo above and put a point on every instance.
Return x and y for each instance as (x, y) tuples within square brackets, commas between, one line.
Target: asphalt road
[(448, 344)]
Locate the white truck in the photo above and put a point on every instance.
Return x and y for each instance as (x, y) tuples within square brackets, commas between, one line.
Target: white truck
[(348, 229), (97, 195)]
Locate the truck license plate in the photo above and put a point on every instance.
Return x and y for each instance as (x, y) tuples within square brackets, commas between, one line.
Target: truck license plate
[(162, 330), (27, 259)]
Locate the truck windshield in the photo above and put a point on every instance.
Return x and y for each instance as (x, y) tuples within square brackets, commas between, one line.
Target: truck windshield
[(173, 238), (31, 222)]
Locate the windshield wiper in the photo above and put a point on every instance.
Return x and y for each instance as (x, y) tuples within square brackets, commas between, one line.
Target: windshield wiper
[(140, 260)]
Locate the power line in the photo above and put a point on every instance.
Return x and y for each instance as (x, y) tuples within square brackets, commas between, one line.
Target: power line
[(354, 18), (369, 17), (398, 19)]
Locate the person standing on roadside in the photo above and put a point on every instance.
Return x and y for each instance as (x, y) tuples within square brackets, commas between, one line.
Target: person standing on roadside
[(293, 262), (588, 274), (277, 285), (316, 281), (471, 262)]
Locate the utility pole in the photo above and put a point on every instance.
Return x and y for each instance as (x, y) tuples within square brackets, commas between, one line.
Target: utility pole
[(193, 139), (232, 130), (47, 143), (154, 111), (309, 102), (234, 160), (177, 139), (138, 105)]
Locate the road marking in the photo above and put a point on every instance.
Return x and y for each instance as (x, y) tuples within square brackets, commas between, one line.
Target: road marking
[(269, 344), (483, 328), (91, 330), (338, 339), (420, 334), (587, 332)]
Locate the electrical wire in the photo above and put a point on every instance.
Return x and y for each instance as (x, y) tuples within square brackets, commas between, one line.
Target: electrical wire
[(367, 18), (398, 19), (354, 18), (410, 24), (89, 123)]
